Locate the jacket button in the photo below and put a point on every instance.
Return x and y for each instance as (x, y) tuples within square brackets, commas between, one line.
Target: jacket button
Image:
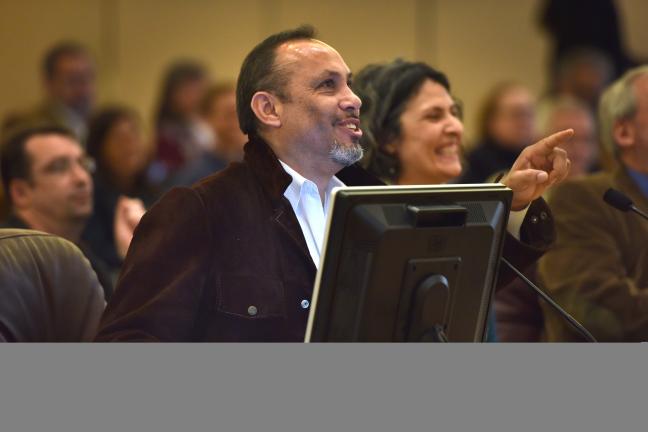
[(252, 310), (305, 304), (544, 215), (534, 219)]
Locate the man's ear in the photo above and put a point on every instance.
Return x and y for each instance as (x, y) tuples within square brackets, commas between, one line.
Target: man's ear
[(624, 133), (19, 190), (267, 108)]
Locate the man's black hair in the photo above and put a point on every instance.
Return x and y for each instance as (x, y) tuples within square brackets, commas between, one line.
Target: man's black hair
[(260, 73)]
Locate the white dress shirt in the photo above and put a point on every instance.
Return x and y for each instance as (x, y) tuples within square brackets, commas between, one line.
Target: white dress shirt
[(305, 201)]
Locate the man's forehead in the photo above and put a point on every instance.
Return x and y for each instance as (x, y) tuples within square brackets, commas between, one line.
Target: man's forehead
[(74, 61), (309, 50), (304, 45), (47, 146)]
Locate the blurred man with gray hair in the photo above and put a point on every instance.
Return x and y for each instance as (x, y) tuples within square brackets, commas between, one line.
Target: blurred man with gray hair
[(566, 112), (598, 269)]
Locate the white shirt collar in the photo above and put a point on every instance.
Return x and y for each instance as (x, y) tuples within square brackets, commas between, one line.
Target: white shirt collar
[(307, 205)]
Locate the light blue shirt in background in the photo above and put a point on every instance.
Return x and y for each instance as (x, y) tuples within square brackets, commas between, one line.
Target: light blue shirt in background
[(641, 179)]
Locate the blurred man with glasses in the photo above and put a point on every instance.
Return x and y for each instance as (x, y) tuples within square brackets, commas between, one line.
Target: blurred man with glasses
[(47, 178)]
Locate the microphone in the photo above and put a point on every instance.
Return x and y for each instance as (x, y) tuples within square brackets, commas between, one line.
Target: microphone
[(570, 319), (620, 201)]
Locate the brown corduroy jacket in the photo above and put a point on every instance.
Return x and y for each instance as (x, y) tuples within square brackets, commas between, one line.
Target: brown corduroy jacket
[(598, 269)]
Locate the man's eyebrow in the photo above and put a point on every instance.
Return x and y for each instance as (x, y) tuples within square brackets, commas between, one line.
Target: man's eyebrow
[(57, 158), (54, 161), (329, 73)]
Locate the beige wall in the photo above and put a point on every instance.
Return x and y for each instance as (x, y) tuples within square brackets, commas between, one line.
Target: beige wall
[(27, 27), (476, 42)]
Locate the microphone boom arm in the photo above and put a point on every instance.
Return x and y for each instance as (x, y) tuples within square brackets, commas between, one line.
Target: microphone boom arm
[(575, 324)]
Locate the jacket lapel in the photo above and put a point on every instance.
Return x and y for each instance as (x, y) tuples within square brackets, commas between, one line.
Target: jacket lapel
[(285, 218), (274, 180)]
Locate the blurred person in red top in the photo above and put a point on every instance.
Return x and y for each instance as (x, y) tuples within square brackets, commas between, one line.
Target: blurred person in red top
[(181, 135), (218, 111)]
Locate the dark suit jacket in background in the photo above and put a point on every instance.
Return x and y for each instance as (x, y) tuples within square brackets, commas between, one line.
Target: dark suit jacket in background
[(226, 260)]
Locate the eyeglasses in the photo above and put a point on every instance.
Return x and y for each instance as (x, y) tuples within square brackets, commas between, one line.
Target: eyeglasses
[(63, 165)]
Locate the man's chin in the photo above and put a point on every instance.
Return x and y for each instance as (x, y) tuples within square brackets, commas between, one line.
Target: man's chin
[(346, 154), (81, 214)]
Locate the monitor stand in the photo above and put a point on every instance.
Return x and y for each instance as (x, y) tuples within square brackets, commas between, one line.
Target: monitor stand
[(424, 318)]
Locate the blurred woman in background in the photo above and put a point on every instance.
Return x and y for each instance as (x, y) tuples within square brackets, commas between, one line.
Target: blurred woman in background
[(506, 127), (181, 136), (121, 189), (218, 110)]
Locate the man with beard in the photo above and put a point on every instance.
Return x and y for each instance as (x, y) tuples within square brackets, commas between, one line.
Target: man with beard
[(234, 257)]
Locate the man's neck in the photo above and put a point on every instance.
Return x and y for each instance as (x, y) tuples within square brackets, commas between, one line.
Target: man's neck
[(70, 231), (322, 183), (319, 172)]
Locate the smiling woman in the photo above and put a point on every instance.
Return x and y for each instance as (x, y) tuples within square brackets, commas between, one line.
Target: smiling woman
[(413, 136)]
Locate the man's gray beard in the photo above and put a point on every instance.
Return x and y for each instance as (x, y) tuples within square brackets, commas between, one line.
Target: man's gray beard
[(345, 155)]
